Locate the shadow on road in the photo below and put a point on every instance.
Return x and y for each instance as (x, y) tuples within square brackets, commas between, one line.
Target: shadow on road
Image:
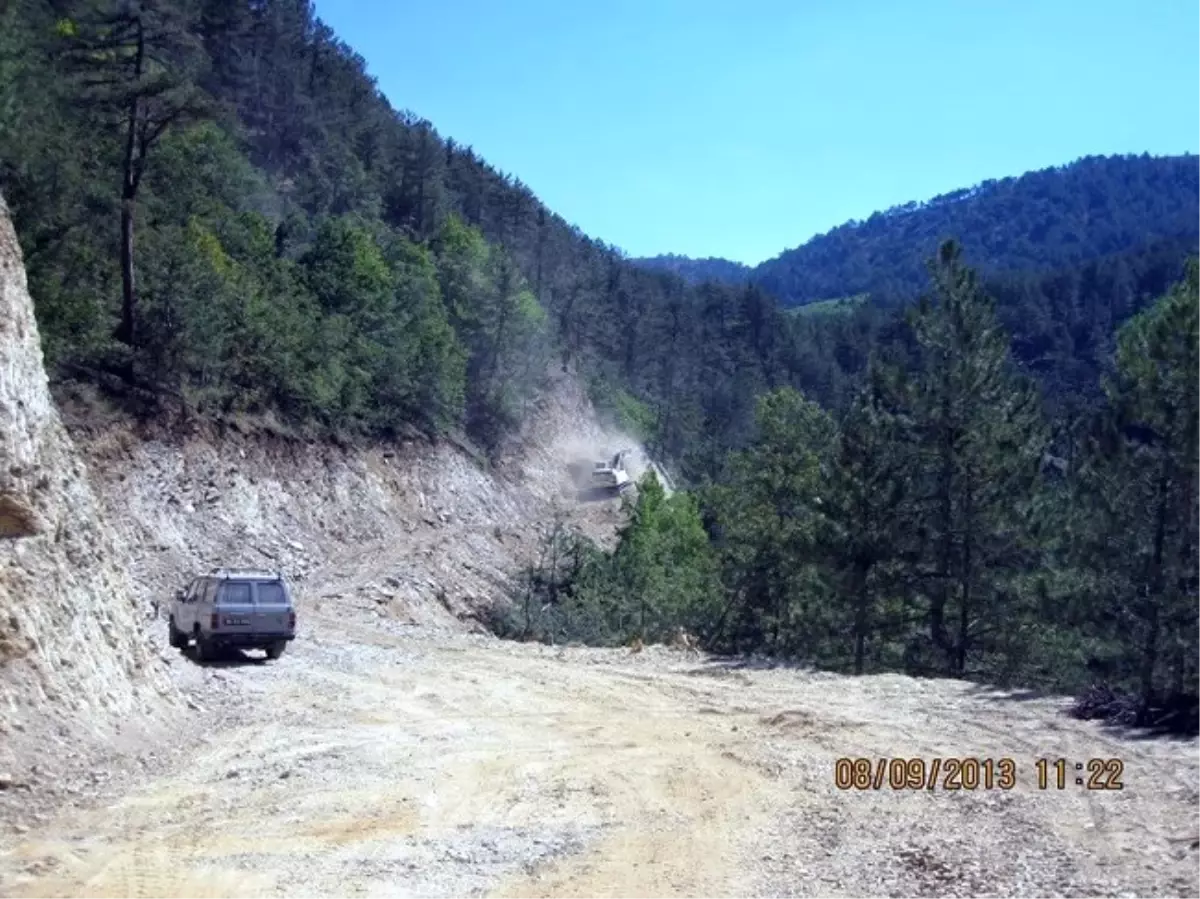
[(229, 658), (1174, 718)]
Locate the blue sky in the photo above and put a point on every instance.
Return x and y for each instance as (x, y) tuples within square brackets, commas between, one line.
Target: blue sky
[(740, 129)]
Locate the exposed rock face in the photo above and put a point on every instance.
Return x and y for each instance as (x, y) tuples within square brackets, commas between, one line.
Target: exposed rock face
[(101, 518), (420, 533), (75, 655)]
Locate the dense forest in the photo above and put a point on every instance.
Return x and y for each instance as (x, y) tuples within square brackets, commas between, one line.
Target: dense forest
[(927, 527), (696, 271), (221, 212), (1068, 254), (1054, 219), (222, 215)]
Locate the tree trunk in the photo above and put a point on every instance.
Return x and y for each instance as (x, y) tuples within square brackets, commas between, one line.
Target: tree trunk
[(964, 608), (1154, 588), (960, 648), (127, 332), (941, 594), (567, 325), (1185, 575), (505, 299), (1149, 662), (863, 599), (541, 252)]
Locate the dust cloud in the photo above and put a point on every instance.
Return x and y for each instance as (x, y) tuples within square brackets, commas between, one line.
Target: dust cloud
[(580, 452)]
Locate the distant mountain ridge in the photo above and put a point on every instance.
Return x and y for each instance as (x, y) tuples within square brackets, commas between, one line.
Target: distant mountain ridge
[(1042, 220), (696, 271)]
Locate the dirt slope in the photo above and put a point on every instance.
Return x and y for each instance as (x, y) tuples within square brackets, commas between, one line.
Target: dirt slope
[(376, 760), (76, 664), (423, 534)]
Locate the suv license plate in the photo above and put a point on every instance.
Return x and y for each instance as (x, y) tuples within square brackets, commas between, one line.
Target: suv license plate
[(236, 621)]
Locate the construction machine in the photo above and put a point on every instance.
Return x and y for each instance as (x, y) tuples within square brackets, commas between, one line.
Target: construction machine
[(610, 476), (601, 479)]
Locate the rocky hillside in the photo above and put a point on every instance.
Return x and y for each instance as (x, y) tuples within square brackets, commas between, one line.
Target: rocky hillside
[(421, 532), (76, 659)]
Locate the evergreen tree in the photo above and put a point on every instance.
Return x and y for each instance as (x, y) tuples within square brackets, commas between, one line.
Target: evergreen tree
[(1138, 505), (868, 541), (137, 64), (663, 569), (773, 525), (500, 323), (976, 436)]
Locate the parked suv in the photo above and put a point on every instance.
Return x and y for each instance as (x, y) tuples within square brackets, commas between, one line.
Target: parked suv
[(243, 608)]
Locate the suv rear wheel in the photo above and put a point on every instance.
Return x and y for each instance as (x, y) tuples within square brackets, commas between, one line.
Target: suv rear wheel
[(275, 650), (205, 651), (177, 638)]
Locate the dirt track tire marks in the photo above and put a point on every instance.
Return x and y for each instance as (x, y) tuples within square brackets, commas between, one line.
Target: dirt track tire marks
[(372, 762)]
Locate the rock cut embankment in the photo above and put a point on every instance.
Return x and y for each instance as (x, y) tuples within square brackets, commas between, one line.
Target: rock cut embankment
[(76, 658), (420, 533)]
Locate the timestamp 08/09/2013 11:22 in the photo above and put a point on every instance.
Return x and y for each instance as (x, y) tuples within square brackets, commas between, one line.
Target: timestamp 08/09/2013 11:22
[(970, 773)]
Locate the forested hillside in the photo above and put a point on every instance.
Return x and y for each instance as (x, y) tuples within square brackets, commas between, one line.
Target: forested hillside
[(222, 215), (695, 271), (218, 207), (1053, 219), (929, 526), (1069, 254)]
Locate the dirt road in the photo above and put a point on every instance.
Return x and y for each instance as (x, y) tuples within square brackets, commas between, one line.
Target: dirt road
[(373, 762)]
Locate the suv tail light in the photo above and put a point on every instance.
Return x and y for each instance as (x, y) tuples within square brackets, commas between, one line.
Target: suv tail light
[(292, 620), (213, 622)]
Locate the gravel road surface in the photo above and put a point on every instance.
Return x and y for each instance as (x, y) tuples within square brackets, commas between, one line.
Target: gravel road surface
[(375, 759)]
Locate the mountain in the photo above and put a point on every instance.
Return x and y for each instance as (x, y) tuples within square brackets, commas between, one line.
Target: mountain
[(289, 246), (227, 226), (696, 271), (295, 248), (1069, 254), (1046, 220)]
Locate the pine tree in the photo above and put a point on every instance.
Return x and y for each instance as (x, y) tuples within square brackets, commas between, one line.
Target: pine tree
[(663, 568), (138, 64), (977, 437), (773, 525), (867, 510), (1140, 485)]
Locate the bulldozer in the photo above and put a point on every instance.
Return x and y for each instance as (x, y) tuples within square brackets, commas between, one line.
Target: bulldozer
[(610, 476), (601, 479)]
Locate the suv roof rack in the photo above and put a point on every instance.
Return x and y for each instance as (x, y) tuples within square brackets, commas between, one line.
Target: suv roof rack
[(264, 573)]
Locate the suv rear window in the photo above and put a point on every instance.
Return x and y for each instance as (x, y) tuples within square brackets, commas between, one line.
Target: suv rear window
[(234, 593), (271, 593)]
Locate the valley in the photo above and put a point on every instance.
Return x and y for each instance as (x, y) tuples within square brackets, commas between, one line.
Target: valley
[(615, 575)]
